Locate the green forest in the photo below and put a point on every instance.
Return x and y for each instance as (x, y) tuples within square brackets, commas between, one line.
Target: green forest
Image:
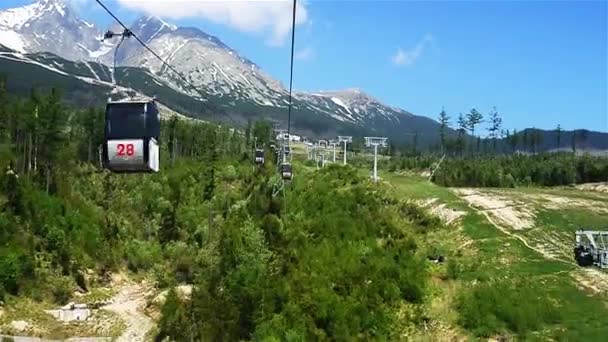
[(329, 258)]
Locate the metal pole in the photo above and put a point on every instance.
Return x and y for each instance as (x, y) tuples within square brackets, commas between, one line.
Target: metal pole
[(344, 152), (334, 152), (375, 163)]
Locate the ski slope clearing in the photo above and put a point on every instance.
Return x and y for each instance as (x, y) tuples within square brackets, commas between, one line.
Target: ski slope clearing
[(507, 236)]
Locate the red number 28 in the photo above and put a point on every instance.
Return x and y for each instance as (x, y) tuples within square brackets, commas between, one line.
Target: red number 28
[(128, 148)]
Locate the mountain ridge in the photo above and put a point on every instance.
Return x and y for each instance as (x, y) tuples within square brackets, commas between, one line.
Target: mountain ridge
[(231, 80), (234, 86)]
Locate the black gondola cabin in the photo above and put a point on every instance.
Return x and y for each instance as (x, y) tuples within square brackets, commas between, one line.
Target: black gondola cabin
[(132, 132), (259, 156), (286, 171)]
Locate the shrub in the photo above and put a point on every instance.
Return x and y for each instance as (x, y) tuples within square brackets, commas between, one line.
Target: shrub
[(62, 289), (142, 255), (422, 219), (230, 174), (453, 269), (494, 307)]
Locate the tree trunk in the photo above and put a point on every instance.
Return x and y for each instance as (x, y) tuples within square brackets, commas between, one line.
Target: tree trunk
[(48, 178), (29, 156), (90, 149)]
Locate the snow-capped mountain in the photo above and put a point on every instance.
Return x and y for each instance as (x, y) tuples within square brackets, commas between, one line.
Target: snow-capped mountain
[(206, 62), (227, 79), (50, 26)]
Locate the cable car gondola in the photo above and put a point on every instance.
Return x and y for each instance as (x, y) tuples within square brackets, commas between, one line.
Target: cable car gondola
[(259, 156), (132, 131), (286, 171)]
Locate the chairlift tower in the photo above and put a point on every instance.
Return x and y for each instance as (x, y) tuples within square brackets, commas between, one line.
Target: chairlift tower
[(345, 140), (333, 143), (375, 142)]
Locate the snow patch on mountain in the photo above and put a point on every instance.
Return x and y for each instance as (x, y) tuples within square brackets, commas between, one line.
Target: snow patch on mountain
[(340, 103), (15, 18), (12, 40)]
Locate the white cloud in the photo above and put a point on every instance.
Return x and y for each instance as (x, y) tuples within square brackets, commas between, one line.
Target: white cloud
[(409, 57), (272, 18), (305, 54)]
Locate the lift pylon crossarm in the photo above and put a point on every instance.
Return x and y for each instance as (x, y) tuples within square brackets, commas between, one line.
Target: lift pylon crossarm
[(346, 140), (375, 142)]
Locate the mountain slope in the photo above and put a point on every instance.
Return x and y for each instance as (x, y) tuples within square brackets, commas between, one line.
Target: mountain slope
[(50, 26), (230, 82)]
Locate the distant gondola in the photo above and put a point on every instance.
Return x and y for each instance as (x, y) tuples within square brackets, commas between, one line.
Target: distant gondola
[(259, 156), (286, 171), (132, 132)]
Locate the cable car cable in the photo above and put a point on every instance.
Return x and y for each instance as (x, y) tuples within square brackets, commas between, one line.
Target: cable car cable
[(293, 35), (286, 167), (169, 66)]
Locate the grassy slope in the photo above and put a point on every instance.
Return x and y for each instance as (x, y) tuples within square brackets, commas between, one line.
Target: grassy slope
[(489, 253)]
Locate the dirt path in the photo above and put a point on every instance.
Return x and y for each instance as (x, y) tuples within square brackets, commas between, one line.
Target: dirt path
[(507, 211), (128, 303)]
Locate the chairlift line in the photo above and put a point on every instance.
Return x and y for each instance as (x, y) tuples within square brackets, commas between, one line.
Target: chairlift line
[(286, 167)]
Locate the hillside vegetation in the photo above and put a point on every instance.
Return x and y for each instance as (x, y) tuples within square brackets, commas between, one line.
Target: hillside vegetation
[(332, 256), (332, 259)]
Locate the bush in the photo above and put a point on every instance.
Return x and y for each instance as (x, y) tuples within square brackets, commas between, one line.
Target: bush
[(422, 219), (183, 260), (494, 307), (62, 289), (452, 269), (142, 255), (230, 174)]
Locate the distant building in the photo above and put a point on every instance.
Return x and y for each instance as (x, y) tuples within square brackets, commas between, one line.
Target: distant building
[(292, 137)]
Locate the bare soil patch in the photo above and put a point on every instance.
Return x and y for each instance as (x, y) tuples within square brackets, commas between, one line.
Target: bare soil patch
[(554, 202), (592, 280), (441, 210), (599, 187), (507, 211)]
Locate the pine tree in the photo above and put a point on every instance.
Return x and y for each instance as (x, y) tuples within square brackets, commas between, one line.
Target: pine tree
[(444, 121), (173, 323), (473, 119), (462, 129), (558, 136), (495, 126), (248, 134), (514, 141), (415, 144), (172, 141)]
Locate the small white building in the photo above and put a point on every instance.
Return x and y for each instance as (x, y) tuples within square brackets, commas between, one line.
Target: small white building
[(71, 312), (291, 137)]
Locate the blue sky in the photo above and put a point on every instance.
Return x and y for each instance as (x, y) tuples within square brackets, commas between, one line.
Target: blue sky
[(540, 63)]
